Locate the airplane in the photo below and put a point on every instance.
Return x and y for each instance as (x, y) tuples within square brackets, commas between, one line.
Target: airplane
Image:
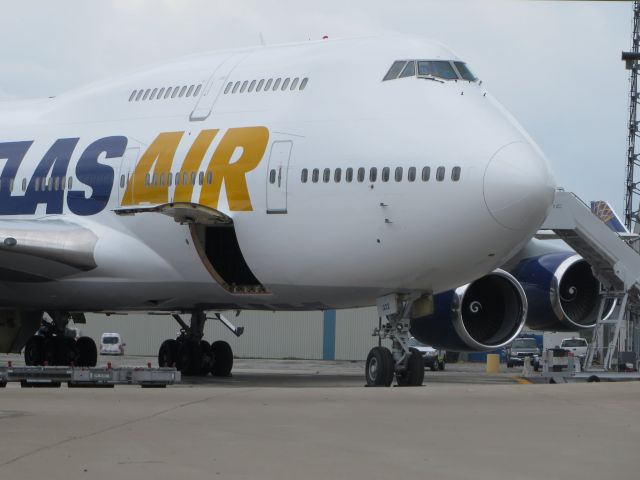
[(320, 175)]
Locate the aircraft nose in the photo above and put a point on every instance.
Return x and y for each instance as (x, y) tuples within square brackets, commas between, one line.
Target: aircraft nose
[(518, 186)]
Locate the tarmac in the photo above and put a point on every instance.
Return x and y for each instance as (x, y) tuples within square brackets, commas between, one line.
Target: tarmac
[(315, 420)]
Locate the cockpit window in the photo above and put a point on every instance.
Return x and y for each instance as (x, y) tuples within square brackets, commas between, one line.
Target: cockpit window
[(464, 71), (439, 69), (395, 69), (409, 70)]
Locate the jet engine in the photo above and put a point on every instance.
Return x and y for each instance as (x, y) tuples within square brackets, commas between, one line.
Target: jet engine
[(561, 290), (483, 315)]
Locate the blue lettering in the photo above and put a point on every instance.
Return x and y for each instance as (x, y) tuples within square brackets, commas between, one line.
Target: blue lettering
[(13, 152), (96, 175)]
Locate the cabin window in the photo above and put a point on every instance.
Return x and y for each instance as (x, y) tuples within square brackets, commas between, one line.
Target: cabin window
[(411, 174), (153, 94), (373, 174), (395, 70), (146, 94), (162, 179), (268, 84), (154, 179), (198, 88), (315, 175), (168, 92), (272, 176), (337, 175), (169, 178), (304, 82), (426, 174), (209, 177), (228, 87), (464, 71), (36, 183), (361, 172), (140, 92), (175, 92), (409, 70), (348, 175), (440, 174), (398, 174), (133, 95), (160, 93), (70, 183), (200, 178), (385, 174), (277, 84), (294, 84), (245, 84), (285, 84), (304, 176), (259, 87), (455, 173), (182, 91), (193, 178), (326, 175), (252, 86)]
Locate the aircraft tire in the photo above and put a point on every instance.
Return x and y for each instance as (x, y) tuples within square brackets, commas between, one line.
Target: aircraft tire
[(189, 357), (34, 351), (222, 359), (87, 352), (413, 376), (379, 367), (168, 353), (205, 358)]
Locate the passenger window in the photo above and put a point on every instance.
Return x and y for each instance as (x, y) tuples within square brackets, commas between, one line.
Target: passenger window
[(139, 95), (24, 184), (305, 175), (326, 175), (285, 84), (154, 180), (455, 173), (209, 177), (70, 183), (153, 94), (277, 84), (162, 179), (121, 181), (315, 175), (133, 95), (175, 92), (160, 93), (398, 175), (268, 84), (56, 184), (440, 174), (177, 178), (169, 178), (167, 93), (294, 84), (395, 70), (272, 176), (37, 184), (236, 87), (200, 178), (411, 174), (337, 175), (146, 94), (185, 178), (147, 180), (252, 85), (182, 90), (228, 87), (426, 174), (348, 175), (11, 185), (198, 88), (409, 70), (373, 174), (245, 84), (361, 174), (63, 182), (385, 174), (191, 87), (193, 178), (304, 82), (259, 87), (49, 184)]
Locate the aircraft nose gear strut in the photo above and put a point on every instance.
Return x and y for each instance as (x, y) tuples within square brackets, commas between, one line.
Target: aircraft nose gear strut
[(192, 355), (404, 362)]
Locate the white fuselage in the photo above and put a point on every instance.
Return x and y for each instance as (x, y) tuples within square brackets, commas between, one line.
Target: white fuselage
[(311, 245)]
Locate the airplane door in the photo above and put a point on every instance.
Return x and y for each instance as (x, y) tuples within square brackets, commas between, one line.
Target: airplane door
[(214, 86), (127, 167), (277, 175)]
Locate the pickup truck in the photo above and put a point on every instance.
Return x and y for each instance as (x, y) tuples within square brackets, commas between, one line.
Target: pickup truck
[(521, 348), (576, 345)]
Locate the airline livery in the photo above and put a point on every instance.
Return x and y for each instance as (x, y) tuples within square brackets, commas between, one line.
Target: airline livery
[(320, 175)]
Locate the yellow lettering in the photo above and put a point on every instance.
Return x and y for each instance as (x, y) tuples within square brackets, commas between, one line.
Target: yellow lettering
[(145, 185), (252, 141), (191, 164)]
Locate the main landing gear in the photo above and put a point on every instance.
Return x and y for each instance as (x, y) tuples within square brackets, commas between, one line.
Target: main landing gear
[(50, 346), (403, 362), (192, 355)]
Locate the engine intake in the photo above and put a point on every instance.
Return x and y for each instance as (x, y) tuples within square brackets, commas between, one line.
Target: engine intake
[(561, 290), (483, 315)]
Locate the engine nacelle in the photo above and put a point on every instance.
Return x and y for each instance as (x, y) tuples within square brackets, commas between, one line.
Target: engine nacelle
[(483, 315), (561, 290)]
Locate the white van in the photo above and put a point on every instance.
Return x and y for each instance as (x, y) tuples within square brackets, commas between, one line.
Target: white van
[(111, 344)]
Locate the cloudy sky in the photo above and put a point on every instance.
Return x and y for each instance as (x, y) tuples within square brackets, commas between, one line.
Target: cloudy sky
[(555, 65)]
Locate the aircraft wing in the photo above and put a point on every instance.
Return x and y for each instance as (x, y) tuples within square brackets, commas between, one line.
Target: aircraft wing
[(44, 250)]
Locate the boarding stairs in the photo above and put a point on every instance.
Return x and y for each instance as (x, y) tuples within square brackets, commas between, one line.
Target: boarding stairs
[(613, 260)]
